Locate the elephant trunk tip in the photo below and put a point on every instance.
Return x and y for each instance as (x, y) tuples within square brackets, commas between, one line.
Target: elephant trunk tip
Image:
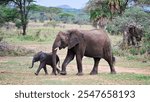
[(32, 65)]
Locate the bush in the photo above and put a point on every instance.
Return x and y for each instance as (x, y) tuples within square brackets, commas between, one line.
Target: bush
[(130, 57), (119, 52), (132, 15), (147, 38), (133, 51), (11, 50)]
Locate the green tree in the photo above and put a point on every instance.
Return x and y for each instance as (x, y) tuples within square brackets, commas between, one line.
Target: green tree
[(143, 1), (53, 12), (50, 13), (100, 9), (137, 17), (131, 15), (23, 7), (7, 14), (65, 17)]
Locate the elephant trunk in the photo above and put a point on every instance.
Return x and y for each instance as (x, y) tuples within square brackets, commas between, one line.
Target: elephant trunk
[(32, 64), (54, 51)]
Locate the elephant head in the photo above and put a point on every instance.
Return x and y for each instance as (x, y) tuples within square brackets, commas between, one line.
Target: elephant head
[(37, 57), (68, 39)]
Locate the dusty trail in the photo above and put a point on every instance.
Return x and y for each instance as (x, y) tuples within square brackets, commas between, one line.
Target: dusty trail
[(88, 68)]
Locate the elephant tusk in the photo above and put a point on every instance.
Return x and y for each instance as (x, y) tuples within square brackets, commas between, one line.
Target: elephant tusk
[(56, 48)]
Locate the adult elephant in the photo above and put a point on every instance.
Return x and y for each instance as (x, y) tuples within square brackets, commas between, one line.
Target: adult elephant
[(90, 43)]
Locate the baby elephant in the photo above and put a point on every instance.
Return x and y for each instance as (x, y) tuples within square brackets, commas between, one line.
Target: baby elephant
[(45, 59)]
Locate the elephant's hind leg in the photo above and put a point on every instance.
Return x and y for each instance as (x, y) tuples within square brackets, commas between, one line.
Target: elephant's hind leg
[(42, 65), (45, 70), (95, 67), (110, 62)]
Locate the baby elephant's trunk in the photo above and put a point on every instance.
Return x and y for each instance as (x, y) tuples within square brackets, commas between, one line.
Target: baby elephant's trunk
[(32, 64)]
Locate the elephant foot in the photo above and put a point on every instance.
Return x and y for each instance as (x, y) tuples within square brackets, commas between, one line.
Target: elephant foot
[(93, 73), (79, 74), (36, 74), (63, 73)]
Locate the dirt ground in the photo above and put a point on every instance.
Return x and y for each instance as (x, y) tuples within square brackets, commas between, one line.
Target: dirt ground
[(15, 71), (104, 67)]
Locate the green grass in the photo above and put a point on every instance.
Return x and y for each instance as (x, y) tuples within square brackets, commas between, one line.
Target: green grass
[(14, 70), (132, 62)]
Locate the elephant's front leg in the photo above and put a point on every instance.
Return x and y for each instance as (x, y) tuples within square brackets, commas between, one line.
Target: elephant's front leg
[(42, 65), (68, 59), (79, 64)]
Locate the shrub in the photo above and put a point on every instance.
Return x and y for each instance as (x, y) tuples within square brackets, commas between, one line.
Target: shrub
[(137, 16), (131, 57), (147, 38), (130, 15), (11, 50), (133, 51)]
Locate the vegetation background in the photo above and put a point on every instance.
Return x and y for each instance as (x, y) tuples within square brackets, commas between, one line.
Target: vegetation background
[(34, 29)]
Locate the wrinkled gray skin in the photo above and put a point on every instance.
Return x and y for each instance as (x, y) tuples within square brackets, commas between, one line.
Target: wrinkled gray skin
[(90, 43), (45, 59)]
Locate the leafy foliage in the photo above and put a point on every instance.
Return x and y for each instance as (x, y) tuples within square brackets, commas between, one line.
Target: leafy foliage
[(23, 7), (131, 15), (137, 16), (65, 17), (105, 8), (143, 1), (7, 14), (147, 38)]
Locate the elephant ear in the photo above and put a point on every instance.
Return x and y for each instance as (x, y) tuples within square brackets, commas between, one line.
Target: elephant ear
[(43, 57), (73, 39)]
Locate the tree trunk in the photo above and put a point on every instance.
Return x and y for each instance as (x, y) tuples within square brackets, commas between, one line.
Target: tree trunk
[(24, 29)]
